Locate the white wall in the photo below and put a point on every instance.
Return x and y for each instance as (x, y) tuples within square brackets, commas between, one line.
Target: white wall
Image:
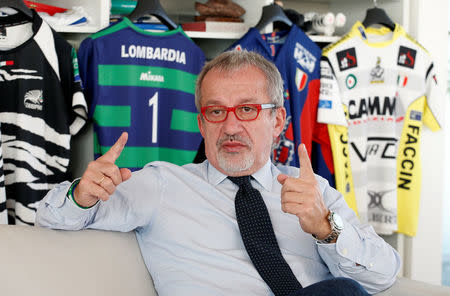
[(423, 261)]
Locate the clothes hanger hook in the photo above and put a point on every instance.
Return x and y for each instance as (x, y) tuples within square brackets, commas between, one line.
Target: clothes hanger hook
[(375, 3)]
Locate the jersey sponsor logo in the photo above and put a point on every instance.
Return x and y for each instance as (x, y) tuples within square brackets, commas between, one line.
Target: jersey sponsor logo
[(371, 106), (376, 199), (304, 58), (347, 59), (238, 47), (406, 57), (326, 88), (378, 212), (350, 81), (153, 53), (415, 115), (148, 76), (409, 154), (325, 71), (284, 149), (325, 104), (379, 147), (33, 99), (300, 79), (377, 73), (362, 32)]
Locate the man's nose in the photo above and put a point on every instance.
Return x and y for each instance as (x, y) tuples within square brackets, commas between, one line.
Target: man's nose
[(232, 125)]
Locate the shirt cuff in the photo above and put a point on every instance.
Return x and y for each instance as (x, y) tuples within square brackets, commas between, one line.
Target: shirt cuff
[(70, 194), (58, 199), (347, 249)]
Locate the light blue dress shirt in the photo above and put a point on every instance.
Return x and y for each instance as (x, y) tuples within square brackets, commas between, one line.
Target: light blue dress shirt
[(185, 223)]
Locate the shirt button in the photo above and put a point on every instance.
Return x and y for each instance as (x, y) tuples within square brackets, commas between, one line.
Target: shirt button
[(344, 251)]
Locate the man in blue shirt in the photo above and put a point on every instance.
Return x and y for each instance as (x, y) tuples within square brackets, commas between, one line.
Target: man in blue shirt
[(185, 217)]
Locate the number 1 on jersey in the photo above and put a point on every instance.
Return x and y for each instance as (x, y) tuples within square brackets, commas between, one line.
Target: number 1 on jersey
[(154, 102)]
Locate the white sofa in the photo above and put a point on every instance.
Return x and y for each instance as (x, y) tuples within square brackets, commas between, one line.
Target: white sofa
[(44, 262)]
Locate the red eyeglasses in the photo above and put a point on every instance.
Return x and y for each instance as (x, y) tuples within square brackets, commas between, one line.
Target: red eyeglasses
[(244, 112)]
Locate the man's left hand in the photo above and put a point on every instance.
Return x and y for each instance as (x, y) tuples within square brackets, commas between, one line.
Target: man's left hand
[(302, 197)]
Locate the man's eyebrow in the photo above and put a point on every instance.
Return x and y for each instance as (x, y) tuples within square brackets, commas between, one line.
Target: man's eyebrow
[(213, 102), (250, 100)]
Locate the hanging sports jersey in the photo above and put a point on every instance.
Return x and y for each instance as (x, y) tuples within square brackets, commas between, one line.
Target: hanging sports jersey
[(3, 211), (42, 106), (378, 88), (142, 82), (297, 58)]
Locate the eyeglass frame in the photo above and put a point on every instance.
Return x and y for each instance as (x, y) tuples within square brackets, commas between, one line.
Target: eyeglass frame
[(258, 107)]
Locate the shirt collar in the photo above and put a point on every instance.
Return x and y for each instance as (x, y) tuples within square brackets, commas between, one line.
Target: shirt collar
[(263, 176)]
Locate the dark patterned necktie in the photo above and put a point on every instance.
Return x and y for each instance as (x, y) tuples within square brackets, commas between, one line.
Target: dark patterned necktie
[(259, 239)]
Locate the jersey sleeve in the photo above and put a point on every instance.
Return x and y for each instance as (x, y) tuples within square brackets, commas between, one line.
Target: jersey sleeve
[(321, 155), (79, 104), (330, 109), (71, 83), (432, 115), (87, 73)]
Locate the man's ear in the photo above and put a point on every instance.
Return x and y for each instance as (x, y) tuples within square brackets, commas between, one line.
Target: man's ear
[(280, 118), (200, 124)]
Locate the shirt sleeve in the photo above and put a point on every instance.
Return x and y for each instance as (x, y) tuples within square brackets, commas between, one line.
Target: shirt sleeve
[(132, 205), (359, 252)]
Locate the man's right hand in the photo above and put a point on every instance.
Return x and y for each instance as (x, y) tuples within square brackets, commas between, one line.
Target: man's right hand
[(102, 176)]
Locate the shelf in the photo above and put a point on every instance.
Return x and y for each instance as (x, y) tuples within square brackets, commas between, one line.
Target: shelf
[(215, 35), (324, 39), (238, 35)]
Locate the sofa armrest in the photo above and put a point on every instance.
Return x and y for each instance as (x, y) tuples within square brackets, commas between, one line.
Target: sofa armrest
[(407, 287), (39, 261)]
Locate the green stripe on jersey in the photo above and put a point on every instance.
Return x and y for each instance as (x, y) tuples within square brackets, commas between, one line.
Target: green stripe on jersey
[(132, 75), (137, 157), (97, 148), (106, 115), (184, 121)]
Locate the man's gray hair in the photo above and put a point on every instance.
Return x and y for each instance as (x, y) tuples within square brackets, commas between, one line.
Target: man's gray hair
[(230, 61)]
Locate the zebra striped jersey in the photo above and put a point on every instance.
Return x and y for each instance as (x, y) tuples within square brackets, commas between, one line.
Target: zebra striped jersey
[(42, 106)]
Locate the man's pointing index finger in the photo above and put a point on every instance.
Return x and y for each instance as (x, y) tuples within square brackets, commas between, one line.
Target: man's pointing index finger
[(114, 152)]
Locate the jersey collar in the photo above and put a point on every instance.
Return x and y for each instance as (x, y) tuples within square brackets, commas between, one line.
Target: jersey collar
[(386, 36)]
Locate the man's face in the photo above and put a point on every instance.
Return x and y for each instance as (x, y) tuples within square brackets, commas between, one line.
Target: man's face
[(235, 147)]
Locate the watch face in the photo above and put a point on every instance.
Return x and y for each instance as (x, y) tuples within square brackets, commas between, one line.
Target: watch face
[(338, 221)]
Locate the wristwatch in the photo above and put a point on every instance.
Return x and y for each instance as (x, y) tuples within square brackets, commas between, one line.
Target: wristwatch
[(336, 228)]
